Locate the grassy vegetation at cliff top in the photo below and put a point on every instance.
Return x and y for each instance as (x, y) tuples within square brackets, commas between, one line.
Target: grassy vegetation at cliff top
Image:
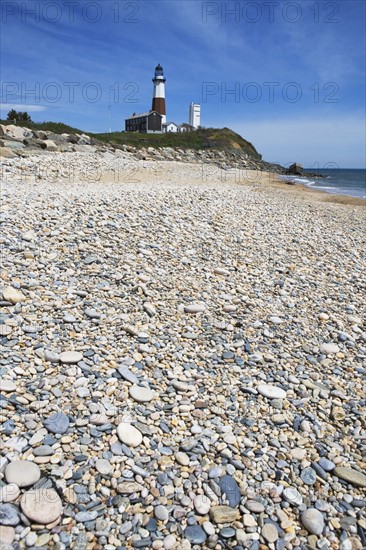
[(215, 138), (205, 138)]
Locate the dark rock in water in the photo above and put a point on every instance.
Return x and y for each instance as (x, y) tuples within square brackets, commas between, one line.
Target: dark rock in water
[(295, 169), (229, 486), (195, 534)]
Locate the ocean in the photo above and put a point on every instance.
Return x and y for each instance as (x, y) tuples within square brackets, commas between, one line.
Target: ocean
[(340, 181)]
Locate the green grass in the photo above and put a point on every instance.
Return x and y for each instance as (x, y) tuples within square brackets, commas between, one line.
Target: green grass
[(205, 138), (208, 138)]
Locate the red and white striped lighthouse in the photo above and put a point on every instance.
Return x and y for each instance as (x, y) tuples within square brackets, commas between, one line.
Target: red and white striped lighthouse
[(158, 102)]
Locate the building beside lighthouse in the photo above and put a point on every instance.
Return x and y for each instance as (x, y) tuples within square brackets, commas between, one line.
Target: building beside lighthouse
[(195, 115), (154, 121), (147, 123)]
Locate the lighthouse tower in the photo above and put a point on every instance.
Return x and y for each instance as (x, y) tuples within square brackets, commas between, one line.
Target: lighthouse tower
[(158, 103)]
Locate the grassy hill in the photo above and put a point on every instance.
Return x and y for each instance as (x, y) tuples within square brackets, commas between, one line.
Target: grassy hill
[(205, 138)]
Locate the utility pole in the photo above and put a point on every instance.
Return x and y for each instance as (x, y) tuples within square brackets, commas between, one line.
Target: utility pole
[(109, 113)]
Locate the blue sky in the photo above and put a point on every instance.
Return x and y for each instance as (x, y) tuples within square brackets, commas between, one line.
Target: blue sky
[(288, 76)]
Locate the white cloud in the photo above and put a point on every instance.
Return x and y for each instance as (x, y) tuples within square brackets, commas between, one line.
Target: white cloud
[(21, 107), (310, 141)]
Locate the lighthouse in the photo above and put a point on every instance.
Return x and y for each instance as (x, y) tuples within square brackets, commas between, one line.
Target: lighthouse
[(158, 102)]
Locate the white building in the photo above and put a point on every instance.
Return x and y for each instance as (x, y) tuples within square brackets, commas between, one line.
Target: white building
[(195, 115), (184, 127), (170, 127)]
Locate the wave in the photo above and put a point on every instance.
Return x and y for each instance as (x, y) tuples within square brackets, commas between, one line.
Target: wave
[(329, 184)]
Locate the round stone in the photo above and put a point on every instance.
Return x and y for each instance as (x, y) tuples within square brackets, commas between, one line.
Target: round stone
[(308, 476), (209, 528), (9, 515), (254, 506), (41, 505), (182, 458), (272, 392), (7, 535), (92, 313), (221, 271), (5, 330), (195, 534), (169, 542), (292, 496), (141, 394), (7, 385), (9, 493), (227, 532), (31, 539), (313, 521), (43, 450), (57, 423), (129, 435), (297, 453), (195, 308), (83, 517), (68, 318), (128, 375), (269, 532), (275, 320), (51, 356), (104, 467), (329, 348), (196, 429), (216, 471), (326, 464), (181, 386), (161, 513), (22, 472), (249, 520), (13, 295), (70, 357), (202, 504)]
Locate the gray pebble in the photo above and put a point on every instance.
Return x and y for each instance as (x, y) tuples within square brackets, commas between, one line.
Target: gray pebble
[(195, 534), (9, 515), (57, 423)]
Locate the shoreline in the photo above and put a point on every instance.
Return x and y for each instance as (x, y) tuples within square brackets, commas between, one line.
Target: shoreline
[(324, 196), (137, 171)]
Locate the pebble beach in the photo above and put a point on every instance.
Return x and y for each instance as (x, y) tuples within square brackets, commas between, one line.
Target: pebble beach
[(183, 358)]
